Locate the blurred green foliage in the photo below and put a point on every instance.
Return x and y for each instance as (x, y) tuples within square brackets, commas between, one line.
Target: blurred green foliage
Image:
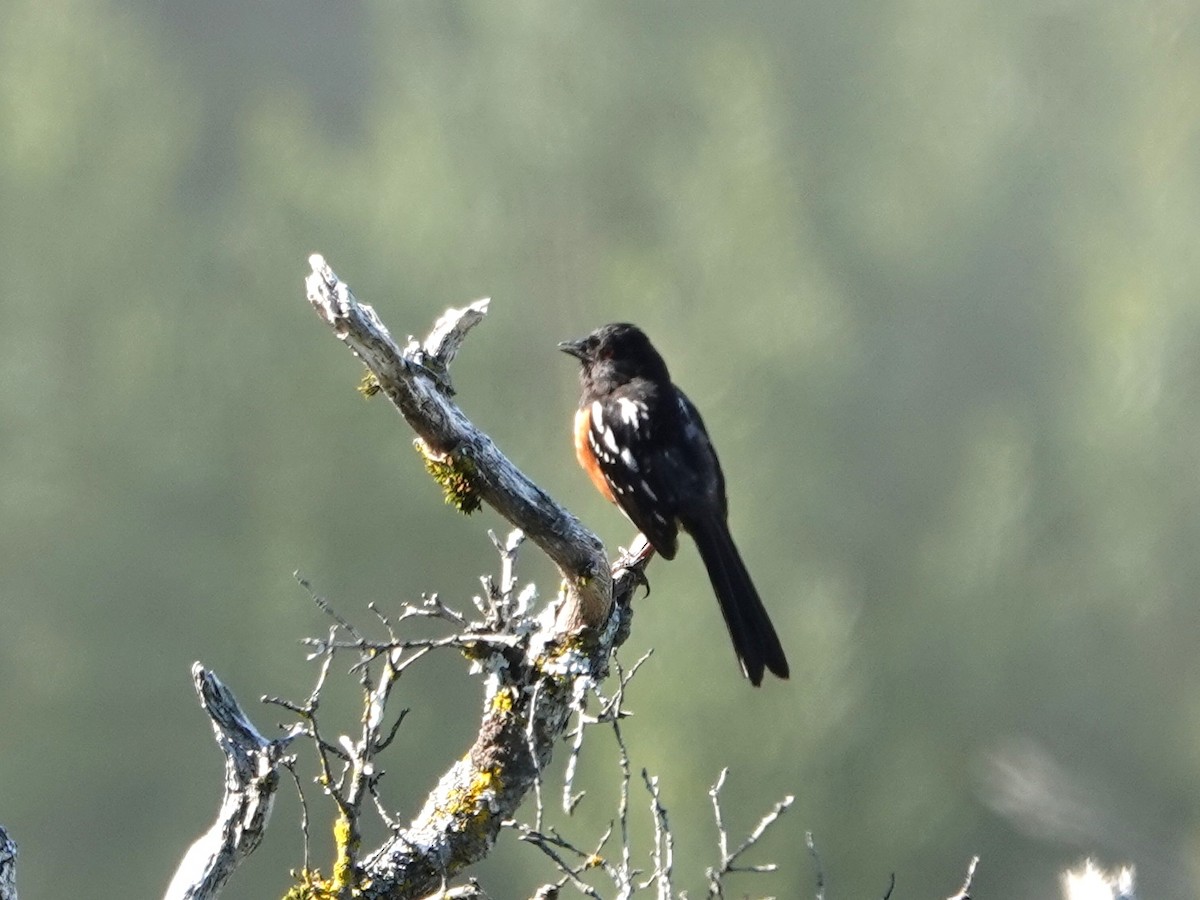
[(928, 268)]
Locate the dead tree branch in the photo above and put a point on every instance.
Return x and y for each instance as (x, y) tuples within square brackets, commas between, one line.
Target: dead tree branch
[(533, 668), (728, 863), (1090, 882), (537, 669), (251, 776), (8, 867), (416, 380), (964, 892)]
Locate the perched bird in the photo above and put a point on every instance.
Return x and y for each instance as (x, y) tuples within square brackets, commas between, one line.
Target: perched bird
[(644, 446)]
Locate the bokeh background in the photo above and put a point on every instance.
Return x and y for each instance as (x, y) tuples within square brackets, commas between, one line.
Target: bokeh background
[(930, 269)]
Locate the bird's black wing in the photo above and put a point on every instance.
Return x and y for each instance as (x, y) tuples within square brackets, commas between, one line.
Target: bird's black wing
[(628, 431)]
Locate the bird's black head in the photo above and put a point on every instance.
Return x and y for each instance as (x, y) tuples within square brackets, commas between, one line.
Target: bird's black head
[(615, 355)]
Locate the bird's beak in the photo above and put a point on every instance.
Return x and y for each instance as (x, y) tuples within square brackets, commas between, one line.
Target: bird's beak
[(576, 349)]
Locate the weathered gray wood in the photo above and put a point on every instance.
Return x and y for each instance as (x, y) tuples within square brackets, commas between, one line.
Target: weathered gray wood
[(415, 380), (251, 777), (531, 694), (8, 867)]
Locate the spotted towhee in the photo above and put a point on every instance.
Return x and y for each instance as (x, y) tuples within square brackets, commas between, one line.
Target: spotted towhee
[(645, 447)]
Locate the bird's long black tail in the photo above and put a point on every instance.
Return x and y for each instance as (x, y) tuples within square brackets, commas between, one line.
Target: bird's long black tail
[(754, 639)]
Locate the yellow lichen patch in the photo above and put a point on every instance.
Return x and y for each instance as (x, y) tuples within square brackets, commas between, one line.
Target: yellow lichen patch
[(558, 655), (346, 840), (369, 385), (503, 700), (476, 650), (470, 803), (310, 886), (454, 474)]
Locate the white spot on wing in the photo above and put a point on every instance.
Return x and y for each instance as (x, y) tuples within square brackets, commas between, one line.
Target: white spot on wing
[(610, 439), (627, 458), (631, 411)]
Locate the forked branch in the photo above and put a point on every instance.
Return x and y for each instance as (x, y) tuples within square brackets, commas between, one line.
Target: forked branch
[(251, 776), (537, 669), (534, 674), (416, 380)]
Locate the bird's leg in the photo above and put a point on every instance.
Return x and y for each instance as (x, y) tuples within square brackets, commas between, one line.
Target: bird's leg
[(634, 559)]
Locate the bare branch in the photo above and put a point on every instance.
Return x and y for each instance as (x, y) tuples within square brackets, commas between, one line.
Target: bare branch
[(251, 776), (820, 869), (759, 830), (714, 876), (551, 843), (664, 844), (1090, 882), (625, 872), (579, 703), (448, 333), (324, 649), (304, 820), (534, 669), (964, 892), (728, 860), (8, 867), (414, 379)]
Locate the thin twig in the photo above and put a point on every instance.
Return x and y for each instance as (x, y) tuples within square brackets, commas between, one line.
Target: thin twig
[(325, 606), (766, 822), (964, 892), (578, 703), (664, 844), (531, 744), (816, 858), (550, 843), (715, 875), (290, 765), (626, 871), (728, 860)]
